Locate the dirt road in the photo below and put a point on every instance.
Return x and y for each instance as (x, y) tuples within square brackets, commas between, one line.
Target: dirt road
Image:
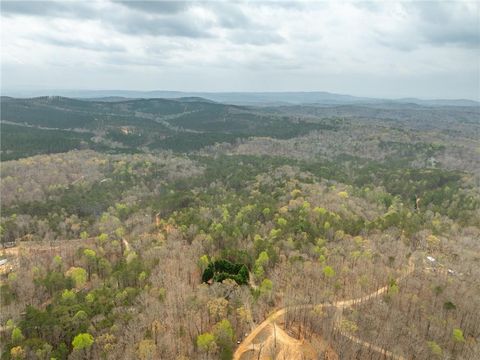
[(249, 345)]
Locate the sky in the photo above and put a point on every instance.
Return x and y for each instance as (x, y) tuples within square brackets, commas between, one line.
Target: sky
[(379, 49)]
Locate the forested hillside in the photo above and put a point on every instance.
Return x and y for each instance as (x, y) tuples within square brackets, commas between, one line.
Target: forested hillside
[(189, 229), (133, 125)]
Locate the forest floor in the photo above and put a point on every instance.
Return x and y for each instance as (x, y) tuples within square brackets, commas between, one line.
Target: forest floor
[(268, 338), (13, 251), (10, 255)]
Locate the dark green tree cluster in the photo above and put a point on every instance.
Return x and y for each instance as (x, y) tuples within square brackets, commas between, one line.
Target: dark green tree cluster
[(222, 269)]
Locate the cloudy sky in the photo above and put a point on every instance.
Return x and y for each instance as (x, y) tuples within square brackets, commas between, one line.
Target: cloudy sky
[(382, 49)]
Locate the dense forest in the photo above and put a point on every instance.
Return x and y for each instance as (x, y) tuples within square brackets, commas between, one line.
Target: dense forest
[(190, 229)]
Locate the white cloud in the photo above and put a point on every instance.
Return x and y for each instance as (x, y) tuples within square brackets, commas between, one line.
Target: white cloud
[(386, 49)]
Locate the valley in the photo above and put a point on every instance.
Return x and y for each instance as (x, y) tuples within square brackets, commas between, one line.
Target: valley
[(192, 229)]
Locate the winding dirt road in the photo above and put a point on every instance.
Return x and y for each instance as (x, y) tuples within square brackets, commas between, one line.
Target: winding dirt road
[(248, 344)]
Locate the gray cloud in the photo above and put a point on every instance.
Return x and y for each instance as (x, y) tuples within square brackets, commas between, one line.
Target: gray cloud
[(433, 24), (256, 37), (401, 43), (68, 9), (446, 23), (156, 7), (156, 18), (80, 44), (459, 36), (229, 15), (162, 26)]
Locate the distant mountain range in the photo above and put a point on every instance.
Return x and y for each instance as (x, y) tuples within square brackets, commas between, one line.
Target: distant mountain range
[(243, 98)]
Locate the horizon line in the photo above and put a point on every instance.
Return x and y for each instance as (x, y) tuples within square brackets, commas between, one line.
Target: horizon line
[(4, 92)]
